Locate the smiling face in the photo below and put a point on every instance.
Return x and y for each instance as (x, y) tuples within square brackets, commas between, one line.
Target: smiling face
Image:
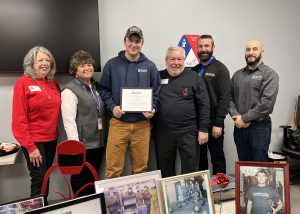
[(85, 72), (261, 178), (253, 53), (205, 49), (42, 64), (175, 62), (133, 46)]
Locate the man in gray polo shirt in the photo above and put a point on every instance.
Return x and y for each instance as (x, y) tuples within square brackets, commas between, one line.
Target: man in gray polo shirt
[(253, 95)]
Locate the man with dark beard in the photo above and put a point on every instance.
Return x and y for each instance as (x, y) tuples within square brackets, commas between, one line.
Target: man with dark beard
[(253, 95), (217, 79)]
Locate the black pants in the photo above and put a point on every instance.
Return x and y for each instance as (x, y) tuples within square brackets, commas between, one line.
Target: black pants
[(93, 156), (47, 150), (215, 146), (166, 146)]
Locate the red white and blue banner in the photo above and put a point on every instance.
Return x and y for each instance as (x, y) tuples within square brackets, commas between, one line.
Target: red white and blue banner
[(189, 43)]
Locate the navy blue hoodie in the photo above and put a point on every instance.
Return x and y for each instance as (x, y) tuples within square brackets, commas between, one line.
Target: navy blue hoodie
[(120, 72)]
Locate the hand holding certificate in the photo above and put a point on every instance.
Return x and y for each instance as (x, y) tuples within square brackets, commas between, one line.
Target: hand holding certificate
[(149, 115), (136, 100)]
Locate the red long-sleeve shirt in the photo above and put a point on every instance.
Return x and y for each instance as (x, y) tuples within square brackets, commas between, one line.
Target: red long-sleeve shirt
[(36, 106)]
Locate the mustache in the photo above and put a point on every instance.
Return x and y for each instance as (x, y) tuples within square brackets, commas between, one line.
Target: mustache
[(176, 66), (204, 52)]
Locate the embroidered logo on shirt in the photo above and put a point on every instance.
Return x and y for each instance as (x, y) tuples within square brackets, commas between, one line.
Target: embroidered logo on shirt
[(210, 74), (33, 88), (185, 91), (255, 77), (140, 70)]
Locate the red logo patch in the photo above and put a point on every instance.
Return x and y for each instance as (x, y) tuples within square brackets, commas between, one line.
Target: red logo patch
[(185, 91)]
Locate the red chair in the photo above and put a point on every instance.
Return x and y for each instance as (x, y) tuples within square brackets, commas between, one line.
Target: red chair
[(70, 160)]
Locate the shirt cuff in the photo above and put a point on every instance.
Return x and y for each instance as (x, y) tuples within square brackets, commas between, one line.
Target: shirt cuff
[(31, 148), (245, 118)]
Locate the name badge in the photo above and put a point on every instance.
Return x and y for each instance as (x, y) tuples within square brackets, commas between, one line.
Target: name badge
[(164, 81), (33, 88), (99, 124)]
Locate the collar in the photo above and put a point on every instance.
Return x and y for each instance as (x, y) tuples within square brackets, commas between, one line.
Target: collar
[(203, 67), (209, 61), (256, 69), (82, 83)]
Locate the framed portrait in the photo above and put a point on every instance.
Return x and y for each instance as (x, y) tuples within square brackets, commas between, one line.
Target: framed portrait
[(139, 193), (262, 186), (188, 193), (92, 204), (22, 206)]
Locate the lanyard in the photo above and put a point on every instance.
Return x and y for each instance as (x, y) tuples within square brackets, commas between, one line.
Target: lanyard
[(203, 67), (92, 93)]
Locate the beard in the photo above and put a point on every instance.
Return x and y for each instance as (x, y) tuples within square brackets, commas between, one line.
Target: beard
[(174, 72), (256, 60), (205, 55)]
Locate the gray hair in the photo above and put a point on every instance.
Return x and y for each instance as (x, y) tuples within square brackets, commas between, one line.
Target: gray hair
[(174, 48), (30, 59)]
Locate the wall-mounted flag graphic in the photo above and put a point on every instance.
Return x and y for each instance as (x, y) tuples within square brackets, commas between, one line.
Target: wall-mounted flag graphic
[(189, 43)]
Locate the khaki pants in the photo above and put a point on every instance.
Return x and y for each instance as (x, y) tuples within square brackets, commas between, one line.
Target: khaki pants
[(136, 136)]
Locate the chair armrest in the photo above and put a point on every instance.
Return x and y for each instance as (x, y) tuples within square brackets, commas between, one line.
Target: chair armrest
[(285, 126)]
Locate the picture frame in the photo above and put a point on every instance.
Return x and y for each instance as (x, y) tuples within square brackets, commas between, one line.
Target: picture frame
[(262, 185), (188, 193), (136, 100), (92, 204), (139, 193), (23, 205)]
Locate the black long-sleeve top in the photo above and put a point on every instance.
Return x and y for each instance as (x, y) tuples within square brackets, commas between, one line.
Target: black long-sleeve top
[(183, 104), (217, 79)]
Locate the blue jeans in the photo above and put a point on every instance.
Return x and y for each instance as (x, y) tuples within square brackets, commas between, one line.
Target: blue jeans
[(252, 143)]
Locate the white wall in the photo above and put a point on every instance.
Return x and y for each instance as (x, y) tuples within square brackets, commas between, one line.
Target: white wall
[(232, 23)]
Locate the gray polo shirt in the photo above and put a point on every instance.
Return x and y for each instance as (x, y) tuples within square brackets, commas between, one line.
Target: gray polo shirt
[(253, 93)]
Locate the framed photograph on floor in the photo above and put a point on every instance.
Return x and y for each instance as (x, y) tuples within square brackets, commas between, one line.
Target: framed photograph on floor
[(91, 204), (23, 205), (188, 193), (263, 187), (139, 193)]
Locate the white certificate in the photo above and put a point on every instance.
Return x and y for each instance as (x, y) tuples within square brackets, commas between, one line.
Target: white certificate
[(136, 99)]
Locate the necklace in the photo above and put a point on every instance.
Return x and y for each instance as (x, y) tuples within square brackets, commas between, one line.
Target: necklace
[(43, 89)]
